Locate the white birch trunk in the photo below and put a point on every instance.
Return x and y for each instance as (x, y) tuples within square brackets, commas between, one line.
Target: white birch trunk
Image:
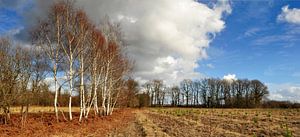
[(103, 99), (71, 86), (96, 100), (95, 88), (82, 94), (56, 92), (105, 92)]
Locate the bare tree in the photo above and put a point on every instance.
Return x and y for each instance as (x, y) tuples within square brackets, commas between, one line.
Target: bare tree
[(96, 69), (48, 36), (25, 64), (9, 74), (14, 75), (186, 87), (148, 87), (175, 95), (85, 43), (204, 91), (258, 91), (116, 65)]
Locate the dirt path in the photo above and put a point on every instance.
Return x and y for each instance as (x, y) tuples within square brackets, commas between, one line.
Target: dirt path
[(151, 124), (142, 126), (132, 129)]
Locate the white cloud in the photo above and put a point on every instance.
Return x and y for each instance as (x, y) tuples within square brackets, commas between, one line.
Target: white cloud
[(50, 81), (166, 38), (251, 32), (279, 39), (289, 15), (284, 92), (230, 77), (12, 32), (210, 66)]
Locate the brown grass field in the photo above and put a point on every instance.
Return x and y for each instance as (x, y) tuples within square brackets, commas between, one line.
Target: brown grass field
[(227, 122), (46, 109), (173, 122)]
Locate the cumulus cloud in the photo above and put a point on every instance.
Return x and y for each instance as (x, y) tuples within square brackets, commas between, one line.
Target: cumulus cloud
[(289, 15), (284, 92), (230, 77), (166, 38)]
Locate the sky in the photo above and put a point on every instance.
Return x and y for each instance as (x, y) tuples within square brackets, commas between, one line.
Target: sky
[(174, 40)]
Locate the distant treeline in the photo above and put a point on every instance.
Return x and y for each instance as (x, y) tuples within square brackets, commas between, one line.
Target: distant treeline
[(280, 104), (209, 93)]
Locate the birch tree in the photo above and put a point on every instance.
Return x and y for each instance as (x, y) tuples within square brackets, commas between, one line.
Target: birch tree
[(75, 31), (92, 57), (116, 65), (114, 70), (85, 40), (48, 36), (61, 35), (95, 69)]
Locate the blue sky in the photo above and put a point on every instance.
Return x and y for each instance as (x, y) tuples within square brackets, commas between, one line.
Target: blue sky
[(10, 20), (254, 44)]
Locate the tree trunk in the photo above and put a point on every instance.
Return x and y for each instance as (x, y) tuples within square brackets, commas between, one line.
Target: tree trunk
[(56, 92), (71, 86), (96, 101), (82, 94), (105, 91), (7, 115), (82, 91)]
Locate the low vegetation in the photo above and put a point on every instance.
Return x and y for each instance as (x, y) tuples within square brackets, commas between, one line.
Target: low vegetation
[(230, 122), (176, 122)]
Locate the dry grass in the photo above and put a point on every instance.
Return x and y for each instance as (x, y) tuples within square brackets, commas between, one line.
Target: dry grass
[(45, 125), (41, 109), (231, 122), (179, 122)]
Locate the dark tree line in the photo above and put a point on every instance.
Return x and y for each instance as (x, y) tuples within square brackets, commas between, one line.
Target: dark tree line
[(208, 93)]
